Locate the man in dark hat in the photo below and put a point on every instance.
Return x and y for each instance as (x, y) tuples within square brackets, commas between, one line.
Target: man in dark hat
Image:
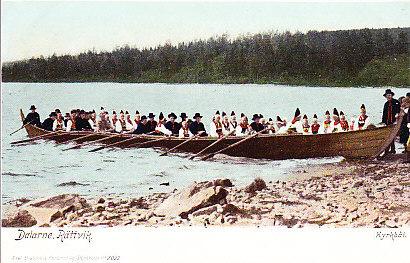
[(197, 127), (82, 123), (172, 125), (152, 123), (33, 117), (256, 125), (48, 123), (390, 111), (142, 127)]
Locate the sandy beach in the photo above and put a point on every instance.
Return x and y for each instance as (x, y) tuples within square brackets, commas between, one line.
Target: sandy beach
[(345, 194)]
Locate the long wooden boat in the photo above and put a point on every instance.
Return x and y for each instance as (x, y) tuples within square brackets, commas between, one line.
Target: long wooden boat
[(351, 145)]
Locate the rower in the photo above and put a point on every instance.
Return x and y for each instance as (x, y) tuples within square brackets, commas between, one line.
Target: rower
[(103, 124), (226, 125), (33, 117), (66, 119), (142, 127), (58, 123), (335, 124), (343, 122), (172, 125), (114, 118), (120, 125), (305, 125), (264, 124), (128, 122), (82, 123), (152, 123), (281, 125), (48, 123), (315, 125), (160, 129), (197, 127), (233, 122), (363, 120), (243, 128), (137, 119), (92, 120), (326, 123), (271, 126), (184, 117), (296, 124), (184, 132), (72, 122), (256, 126), (216, 126), (390, 111)]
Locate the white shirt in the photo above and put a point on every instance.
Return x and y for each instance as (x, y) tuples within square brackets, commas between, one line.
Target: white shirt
[(69, 125), (55, 125), (182, 134)]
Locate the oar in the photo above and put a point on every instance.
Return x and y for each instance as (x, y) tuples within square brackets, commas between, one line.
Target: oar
[(90, 142), (206, 157), (36, 137), (114, 144), (76, 139), (212, 144), (139, 145), (179, 145), (22, 127)]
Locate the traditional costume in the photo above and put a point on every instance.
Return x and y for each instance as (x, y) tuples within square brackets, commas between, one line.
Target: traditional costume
[(281, 125), (172, 125), (226, 125), (71, 123), (296, 125), (305, 125), (92, 120), (184, 132), (152, 124), (343, 122), (315, 125), (326, 126), (197, 126), (363, 120), (256, 126), (335, 124), (233, 123), (48, 123), (216, 126), (160, 129), (390, 110), (142, 127), (33, 117), (243, 128)]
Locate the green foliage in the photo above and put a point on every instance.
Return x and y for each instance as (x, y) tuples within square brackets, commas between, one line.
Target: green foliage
[(375, 57)]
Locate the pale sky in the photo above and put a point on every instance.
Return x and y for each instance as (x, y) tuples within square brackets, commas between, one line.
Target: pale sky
[(43, 28)]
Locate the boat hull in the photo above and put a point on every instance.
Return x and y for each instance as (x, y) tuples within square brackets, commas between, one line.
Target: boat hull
[(351, 145)]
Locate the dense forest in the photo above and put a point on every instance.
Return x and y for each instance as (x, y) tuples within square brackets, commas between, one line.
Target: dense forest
[(365, 57)]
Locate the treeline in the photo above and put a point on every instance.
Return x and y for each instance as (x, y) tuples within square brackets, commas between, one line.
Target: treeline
[(339, 58)]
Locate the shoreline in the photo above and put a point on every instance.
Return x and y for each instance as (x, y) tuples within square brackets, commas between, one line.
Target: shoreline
[(345, 194)]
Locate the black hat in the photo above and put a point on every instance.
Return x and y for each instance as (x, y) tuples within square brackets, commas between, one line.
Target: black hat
[(73, 111), (137, 112), (260, 116), (161, 116), (143, 117), (53, 114), (315, 116), (388, 91), (255, 116), (101, 108), (67, 114), (408, 94), (78, 110), (217, 112), (327, 113), (341, 113), (242, 115), (279, 119), (121, 112), (297, 112), (335, 112), (172, 115), (197, 115), (33, 107), (126, 112), (232, 113), (114, 112), (223, 114), (270, 119), (57, 111), (151, 115), (305, 116), (183, 115), (93, 111), (82, 112)]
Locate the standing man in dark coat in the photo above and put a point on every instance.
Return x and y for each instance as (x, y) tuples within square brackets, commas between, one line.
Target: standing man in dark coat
[(197, 127), (48, 123), (390, 111), (256, 125), (33, 117), (172, 125)]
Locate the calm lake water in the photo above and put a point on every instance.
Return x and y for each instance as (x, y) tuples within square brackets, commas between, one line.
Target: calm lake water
[(35, 170)]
